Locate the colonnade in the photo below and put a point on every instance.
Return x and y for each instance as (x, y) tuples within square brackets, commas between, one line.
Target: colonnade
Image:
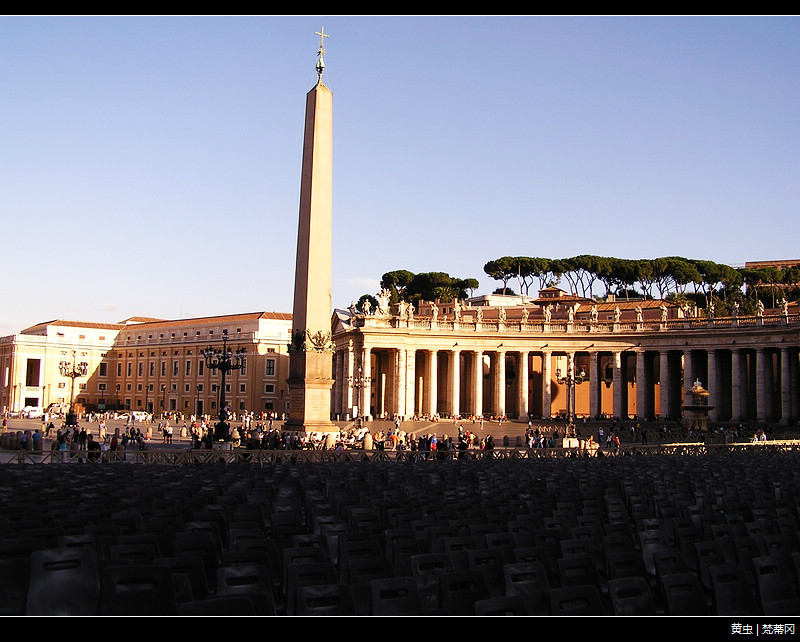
[(744, 383)]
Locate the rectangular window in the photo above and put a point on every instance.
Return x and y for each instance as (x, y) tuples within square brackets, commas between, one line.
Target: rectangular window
[(152, 368), (201, 367), (119, 369), (163, 368), (199, 387), (270, 367), (188, 368), (140, 368), (103, 369), (32, 373), (174, 368), (269, 388), (130, 369), (242, 388)]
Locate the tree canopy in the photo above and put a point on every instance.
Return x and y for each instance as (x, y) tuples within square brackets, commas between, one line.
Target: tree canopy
[(428, 286), (662, 277)]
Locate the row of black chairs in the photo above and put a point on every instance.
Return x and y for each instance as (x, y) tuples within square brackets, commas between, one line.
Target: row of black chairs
[(708, 535)]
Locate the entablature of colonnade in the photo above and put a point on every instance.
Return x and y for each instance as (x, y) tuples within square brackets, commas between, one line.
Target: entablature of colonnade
[(749, 332)]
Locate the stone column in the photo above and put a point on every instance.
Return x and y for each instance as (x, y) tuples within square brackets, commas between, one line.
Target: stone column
[(340, 382), (400, 382), (786, 389), (736, 386), (761, 385), (618, 397), (455, 380), (410, 375), (713, 385), (500, 383), (477, 366), (594, 386), (546, 394), (349, 367), (688, 378), (641, 386), (431, 382), (522, 385), (366, 391), (663, 375)]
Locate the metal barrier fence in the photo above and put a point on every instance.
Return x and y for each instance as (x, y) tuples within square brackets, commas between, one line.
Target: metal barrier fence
[(192, 457)]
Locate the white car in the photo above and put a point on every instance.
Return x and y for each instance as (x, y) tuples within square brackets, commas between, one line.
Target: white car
[(138, 415), (32, 412)]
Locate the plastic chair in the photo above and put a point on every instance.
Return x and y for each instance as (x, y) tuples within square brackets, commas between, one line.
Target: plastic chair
[(144, 590), (359, 573), (395, 596), (528, 580), (426, 569), (247, 580), (63, 581), (306, 574), (731, 592), (773, 580), (576, 600), (631, 596), (460, 590)]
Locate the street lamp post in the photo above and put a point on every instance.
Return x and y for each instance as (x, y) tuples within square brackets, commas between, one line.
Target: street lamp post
[(73, 371), (358, 383), (570, 380), (224, 360)]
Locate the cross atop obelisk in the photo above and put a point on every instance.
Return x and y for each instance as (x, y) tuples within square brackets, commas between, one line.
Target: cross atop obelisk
[(310, 368), (321, 53)]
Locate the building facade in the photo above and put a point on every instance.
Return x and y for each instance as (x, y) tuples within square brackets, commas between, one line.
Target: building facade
[(148, 365)]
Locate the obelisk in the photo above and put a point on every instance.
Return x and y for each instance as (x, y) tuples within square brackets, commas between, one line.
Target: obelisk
[(310, 366)]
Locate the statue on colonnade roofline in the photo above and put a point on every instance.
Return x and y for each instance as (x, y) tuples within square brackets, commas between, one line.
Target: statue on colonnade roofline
[(593, 315), (617, 314), (548, 314), (383, 303)]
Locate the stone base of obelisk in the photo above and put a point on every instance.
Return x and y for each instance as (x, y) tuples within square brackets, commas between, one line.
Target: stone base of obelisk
[(310, 385)]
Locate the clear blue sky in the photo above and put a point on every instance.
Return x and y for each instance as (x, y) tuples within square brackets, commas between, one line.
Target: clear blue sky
[(151, 165)]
